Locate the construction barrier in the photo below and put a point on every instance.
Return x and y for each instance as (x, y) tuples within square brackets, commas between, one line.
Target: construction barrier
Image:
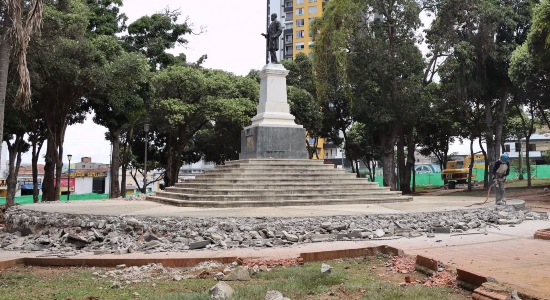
[(29, 200), (434, 179)]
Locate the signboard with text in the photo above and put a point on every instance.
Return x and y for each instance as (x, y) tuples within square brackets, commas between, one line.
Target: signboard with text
[(67, 183), (91, 174)]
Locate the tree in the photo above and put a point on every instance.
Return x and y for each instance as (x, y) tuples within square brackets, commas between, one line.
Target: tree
[(187, 100), (63, 63), (14, 134), (18, 34), (302, 98), (153, 35), (362, 143), (105, 17), (117, 98), (482, 42), (371, 65)]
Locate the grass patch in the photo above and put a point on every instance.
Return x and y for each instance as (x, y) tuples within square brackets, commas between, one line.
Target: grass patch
[(350, 279)]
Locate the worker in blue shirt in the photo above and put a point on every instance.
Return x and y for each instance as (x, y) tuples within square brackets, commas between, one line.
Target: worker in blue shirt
[(501, 169)]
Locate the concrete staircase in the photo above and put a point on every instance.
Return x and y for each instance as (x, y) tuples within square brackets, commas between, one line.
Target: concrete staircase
[(275, 182)]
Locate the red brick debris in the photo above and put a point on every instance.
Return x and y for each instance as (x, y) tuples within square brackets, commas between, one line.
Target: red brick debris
[(543, 234), (270, 262), (406, 265), (402, 264), (444, 278)]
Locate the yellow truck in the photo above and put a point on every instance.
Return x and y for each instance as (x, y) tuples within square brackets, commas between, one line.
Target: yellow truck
[(454, 174)]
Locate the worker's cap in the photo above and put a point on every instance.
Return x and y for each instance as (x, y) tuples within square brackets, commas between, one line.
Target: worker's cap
[(504, 157)]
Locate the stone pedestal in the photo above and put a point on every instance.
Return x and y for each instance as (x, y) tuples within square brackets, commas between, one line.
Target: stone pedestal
[(273, 132)]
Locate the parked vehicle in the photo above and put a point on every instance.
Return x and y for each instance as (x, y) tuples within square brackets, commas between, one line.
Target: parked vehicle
[(453, 174)]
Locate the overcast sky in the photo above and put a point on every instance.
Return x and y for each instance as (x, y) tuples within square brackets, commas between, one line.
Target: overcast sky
[(231, 40)]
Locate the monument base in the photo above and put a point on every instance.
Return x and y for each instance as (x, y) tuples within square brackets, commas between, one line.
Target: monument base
[(265, 142)]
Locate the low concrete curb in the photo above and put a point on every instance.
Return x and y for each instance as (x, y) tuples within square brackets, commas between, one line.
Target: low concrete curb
[(465, 279)]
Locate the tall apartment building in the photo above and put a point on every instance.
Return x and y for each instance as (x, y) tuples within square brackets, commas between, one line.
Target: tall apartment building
[(295, 16)]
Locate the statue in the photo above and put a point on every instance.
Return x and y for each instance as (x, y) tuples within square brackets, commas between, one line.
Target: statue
[(273, 32)]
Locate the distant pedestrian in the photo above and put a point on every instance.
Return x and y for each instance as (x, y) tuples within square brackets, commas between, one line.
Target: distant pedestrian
[(501, 169)]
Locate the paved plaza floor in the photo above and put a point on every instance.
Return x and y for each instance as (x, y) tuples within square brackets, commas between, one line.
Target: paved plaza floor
[(507, 253)]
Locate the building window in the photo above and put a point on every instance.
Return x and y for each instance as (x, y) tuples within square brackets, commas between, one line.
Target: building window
[(312, 9), (288, 49), (300, 23), (310, 20), (517, 146), (288, 3), (299, 46), (506, 148), (312, 1), (288, 16), (299, 11), (288, 38), (299, 34), (299, 1), (288, 26), (532, 147)]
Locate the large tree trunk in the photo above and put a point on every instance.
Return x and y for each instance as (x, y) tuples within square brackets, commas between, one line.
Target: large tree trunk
[(527, 162), (115, 163), (36, 147), (13, 171), (168, 179), (48, 185), (5, 50), (471, 166), (409, 166), (388, 160), (401, 160), (520, 162), (489, 137)]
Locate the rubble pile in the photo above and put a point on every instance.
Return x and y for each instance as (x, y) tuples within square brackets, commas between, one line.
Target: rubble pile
[(27, 230), (124, 275)]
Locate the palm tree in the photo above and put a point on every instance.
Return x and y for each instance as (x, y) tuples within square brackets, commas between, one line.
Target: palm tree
[(16, 34)]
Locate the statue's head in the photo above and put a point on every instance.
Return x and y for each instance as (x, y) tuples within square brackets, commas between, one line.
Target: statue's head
[(273, 17)]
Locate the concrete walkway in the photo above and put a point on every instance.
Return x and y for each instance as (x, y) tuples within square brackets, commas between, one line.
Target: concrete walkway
[(508, 254)]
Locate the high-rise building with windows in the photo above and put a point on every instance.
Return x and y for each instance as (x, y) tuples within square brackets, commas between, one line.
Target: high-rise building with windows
[(295, 16)]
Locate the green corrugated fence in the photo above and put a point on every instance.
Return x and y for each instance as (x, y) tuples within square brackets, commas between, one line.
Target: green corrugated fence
[(434, 179), (28, 198)]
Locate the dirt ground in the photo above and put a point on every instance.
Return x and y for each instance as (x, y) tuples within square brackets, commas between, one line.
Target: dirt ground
[(536, 198)]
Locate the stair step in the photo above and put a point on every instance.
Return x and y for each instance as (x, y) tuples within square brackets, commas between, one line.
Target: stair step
[(288, 202), (263, 162), (276, 185), (275, 182), (275, 175), (260, 191), (253, 181), (274, 196), (275, 170)]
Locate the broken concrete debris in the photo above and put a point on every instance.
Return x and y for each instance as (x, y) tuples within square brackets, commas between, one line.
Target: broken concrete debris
[(221, 290), (326, 269), (27, 230)]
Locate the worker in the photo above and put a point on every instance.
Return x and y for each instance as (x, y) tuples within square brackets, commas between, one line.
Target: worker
[(501, 169)]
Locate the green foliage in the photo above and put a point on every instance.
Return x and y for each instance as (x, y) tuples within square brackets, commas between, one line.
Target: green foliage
[(105, 17), (153, 35), (200, 112)]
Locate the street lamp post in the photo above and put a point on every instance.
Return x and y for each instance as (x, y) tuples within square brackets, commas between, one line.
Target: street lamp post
[(146, 129), (69, 156)]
